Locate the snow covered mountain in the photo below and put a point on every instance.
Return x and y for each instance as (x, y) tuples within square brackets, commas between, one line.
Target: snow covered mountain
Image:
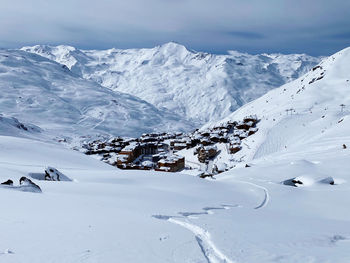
[(249, 214), (44, 93), (299, 158), (307, 116), (198, 86)]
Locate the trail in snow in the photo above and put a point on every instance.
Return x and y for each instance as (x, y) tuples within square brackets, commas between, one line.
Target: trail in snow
[(266, 199), (208, 247), (203, 237), (266, 194)]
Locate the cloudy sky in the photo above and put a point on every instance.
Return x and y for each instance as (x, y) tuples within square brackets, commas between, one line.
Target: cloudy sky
[(319, 27)]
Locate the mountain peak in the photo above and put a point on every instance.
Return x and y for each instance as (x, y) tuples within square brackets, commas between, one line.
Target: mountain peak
[(173, 48), (200, 87), (172, 44)]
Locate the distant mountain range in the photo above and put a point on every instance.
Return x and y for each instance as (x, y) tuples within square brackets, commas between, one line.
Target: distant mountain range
[(39, 91), (193, 86)]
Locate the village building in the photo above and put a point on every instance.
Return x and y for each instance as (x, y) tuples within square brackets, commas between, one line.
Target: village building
[(205, 141), (206, 153), (215, 137), (171, 164), (148, 148), (235, 144), (243, 126), (234, 148), (205, 133), (179, 146), (129, 153), (252, 131), (251, 118)]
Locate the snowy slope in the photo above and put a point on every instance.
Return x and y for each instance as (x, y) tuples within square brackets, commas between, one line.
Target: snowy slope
[(301, 118), (310, 145), (107, 215), (245, 215), (315, 116), (198, 86), (11, 126), (45, 93)]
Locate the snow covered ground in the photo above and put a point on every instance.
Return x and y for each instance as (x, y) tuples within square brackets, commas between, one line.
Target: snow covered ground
[(106, 214), (244, 215)]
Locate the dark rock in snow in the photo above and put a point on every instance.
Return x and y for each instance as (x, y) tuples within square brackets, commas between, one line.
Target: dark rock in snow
[(27, 185), (52, 174), (328, 180), (8, 182), (292, 182), (297, 181)]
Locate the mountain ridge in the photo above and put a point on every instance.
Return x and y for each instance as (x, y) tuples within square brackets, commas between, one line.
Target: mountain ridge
[(198, 86), (311, 110), (42, 92)]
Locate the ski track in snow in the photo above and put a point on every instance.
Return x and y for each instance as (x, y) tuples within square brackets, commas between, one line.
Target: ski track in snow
[(211, 253), (208, 247), (266, 197), (266, 194), (203, 237)]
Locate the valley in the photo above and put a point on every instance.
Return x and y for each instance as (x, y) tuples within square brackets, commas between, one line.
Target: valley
[(266, 183)]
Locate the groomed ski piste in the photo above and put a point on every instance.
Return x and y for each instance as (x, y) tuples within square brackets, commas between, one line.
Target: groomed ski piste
[(248, 214)]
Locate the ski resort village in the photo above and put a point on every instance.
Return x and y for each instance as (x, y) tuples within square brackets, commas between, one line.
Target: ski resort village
[(174, 131), (167, 151), (106, 176)]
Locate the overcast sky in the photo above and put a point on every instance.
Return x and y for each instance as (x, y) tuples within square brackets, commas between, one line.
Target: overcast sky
[(319, 27)]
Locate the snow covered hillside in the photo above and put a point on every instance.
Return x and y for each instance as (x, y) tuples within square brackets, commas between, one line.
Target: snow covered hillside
[(306, 114), (299, 158), (197, 86), (44, 93), (289, 205), (105, 214)]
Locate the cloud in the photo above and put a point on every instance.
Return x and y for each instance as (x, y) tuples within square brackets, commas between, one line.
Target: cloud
[(246, 34), (214, 26), (342, 35)]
